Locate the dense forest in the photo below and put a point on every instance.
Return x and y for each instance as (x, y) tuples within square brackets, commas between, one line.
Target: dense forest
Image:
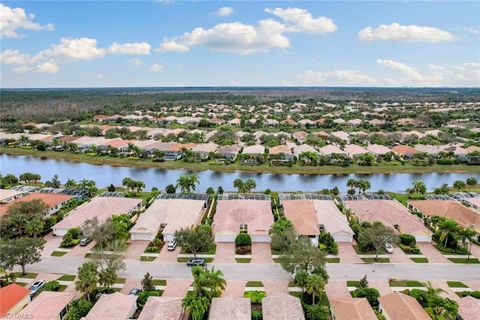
[(57, 104)]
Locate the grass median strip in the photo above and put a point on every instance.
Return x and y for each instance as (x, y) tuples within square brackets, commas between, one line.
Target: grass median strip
[(254, 284), (243, 260), (419, 260), (58, 253), (67, 277), (373, 260), (148, 259), (456, 284), (405, 283), (464, 260)]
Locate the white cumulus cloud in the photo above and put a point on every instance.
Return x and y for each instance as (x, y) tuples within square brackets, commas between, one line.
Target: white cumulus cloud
[(156, 68), (14, 57), (44, 67), (12, 19), (141, 48), (335, 78), (409, 33), (301, 20), (224, 11), (410, 72)]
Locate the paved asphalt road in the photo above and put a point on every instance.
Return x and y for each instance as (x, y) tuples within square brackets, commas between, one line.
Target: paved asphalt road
[(268, 271)]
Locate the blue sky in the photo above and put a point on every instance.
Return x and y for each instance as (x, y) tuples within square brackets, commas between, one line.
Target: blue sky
[(203, 43)]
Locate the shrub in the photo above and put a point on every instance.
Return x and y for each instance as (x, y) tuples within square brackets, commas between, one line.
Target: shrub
[(143, 296), (408, 240), (371, 294), (257, 315), (51, 286), (255, 296), (243, 239), (71, 238), (408, 249), (327, 243), (78, 309)]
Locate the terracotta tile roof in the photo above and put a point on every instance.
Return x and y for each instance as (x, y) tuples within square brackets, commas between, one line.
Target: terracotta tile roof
[(282, 306), (452, 209), (100, 207), (10, 296), (229, 308), (351, 309), (353, 149), (68, 139), (175, 213), (390, 213), (179, 146), (469, 308), (205, 147), (404, 150), (303, 216), (47, 305), (162, 308), (330, 149), (399, 306), (257, 214), (280, 149), (50, 199), (378, 149), (118, 143), (332, 218), (235, 148), (255, 149), (115, 306)]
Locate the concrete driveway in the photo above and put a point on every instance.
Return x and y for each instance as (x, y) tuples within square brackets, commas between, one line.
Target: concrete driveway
[(261, 253), (398, 256), (275, 286), (432, 254), (131, 283), (168, 256), (79, 251), (225, 252), (475, 251), (135, 249), (234, 288), (177, 288), (383, 286), (52, 244), (337, 289), (347, 254), (448, 291)]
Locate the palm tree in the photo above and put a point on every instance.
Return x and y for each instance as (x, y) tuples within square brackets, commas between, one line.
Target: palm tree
[(364, 185), (188, 184), (418, 186), (239, 184), (249, 185), (197, 306), (70, 184), (315, 285), (447, 226), (352, 184)]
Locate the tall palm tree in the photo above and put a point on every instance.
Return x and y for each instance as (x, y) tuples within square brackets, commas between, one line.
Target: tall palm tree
[(239, 184), (249, 185), (418, 186), (315, 285), (447, 227), (188, 184)]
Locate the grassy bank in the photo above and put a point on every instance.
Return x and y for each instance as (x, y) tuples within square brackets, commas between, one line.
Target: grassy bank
[(298, 169)]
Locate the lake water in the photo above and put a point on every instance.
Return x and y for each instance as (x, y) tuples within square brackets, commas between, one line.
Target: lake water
[(153, 177)]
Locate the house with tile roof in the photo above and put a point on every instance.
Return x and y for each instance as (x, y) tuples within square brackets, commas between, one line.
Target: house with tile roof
[(468, 308), (115, 306), (229, 153), (230, 308), (392, 214), (282, 306), (406, 152), (53, 201), (399, 306), (233, 216), (280, 153), (162, 308), (168, 215), (8, 195), (354, 150), (12, 299), (351, 309), (47, 305)]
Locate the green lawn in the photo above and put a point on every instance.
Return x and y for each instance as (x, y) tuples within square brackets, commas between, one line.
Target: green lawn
[(456, 284), (159, 282), (212, 250), (243, 260), (332, 260), (67, 277), (58, 253), (405, 283), (62, 288), (464, 260), (379, 260), (254, 284), (419, 260), (89, 255), (28, 275), (149, 259), (292, 284), (353, 283)]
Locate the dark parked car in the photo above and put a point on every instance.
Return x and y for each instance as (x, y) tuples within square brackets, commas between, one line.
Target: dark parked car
[(85, 241), (197, 262)]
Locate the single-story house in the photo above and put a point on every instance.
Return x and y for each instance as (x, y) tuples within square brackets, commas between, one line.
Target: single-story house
[(100, 207), (351, 309), (282, 306), (465, 216), (48, 305), (399, 306), (310, 217), (162, 308), (378, 149), (468, 308), (330, 150), (254, 150), (354, 150), (204, 149), (405, 151), (298, 150), (12, 299), (53, 201), (392, 214), (252, 216), (171, 214), (175, 152), (115, 306), (300, 136), (281, 150), (342, 135), (430, 149), (7, 195), (229, 152), (230, 308)]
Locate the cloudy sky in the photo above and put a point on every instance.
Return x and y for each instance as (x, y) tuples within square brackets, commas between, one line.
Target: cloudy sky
[(208, 43)]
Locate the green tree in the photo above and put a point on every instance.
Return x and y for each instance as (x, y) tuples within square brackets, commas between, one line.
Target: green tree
[(378, 235), (447, 227), (471, 181), (371, 294), (315, 285), (170, 188), (459, 184), (188, 184), (21, 251), (24, 219), (87, 278), (302, 256), (110, 261), (282, 234), (195, 240), (300, 279), (78, 309), (147, 283), (418, 186)]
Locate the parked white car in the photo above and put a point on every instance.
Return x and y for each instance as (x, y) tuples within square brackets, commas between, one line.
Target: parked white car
[(172, 245), (388, 248)]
